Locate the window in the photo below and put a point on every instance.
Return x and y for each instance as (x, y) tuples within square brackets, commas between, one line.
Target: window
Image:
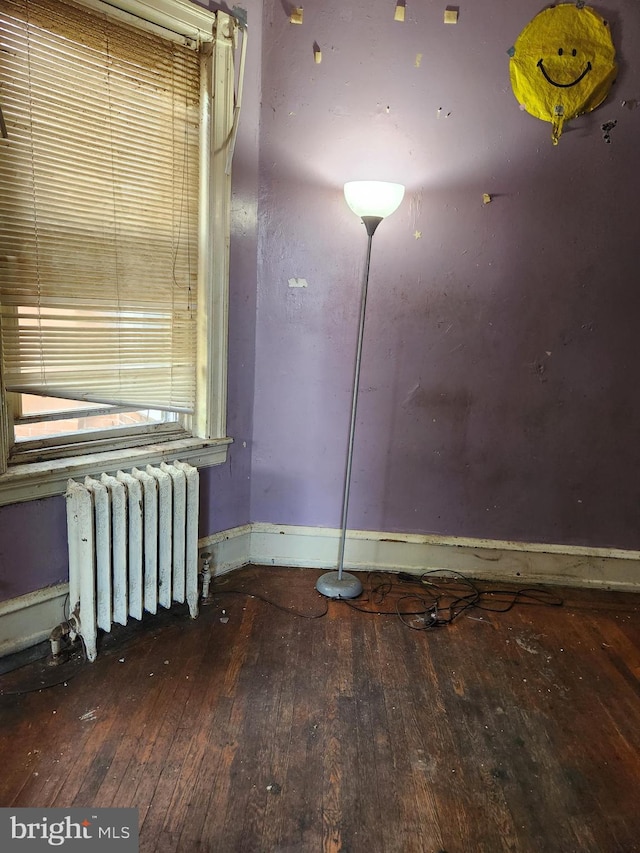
[(115, 197)]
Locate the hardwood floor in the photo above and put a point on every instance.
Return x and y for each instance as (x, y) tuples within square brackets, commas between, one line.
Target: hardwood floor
[(251, 730)]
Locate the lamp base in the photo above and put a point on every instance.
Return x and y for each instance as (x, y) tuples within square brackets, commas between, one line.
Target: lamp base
[(334, 586)]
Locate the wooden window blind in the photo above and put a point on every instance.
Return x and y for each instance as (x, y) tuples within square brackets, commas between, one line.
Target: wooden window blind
[(99, 196)]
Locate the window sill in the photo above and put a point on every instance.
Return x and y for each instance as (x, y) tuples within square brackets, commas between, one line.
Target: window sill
[(33, 480)]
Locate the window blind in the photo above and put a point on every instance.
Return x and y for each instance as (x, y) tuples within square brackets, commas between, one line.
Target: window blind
[(99, 197)]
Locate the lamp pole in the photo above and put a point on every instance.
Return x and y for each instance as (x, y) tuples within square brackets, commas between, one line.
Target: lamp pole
[(341, 584), (370, 223)]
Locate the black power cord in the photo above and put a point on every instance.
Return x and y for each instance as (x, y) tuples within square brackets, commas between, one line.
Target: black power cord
[(443, 596), (442, 600), (215, 591)]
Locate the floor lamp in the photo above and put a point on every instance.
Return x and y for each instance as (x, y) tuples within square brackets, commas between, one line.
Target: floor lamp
[(372, 201)]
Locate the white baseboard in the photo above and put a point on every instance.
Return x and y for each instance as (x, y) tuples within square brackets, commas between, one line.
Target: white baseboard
[(29, 619), (518, 562), (229, 550)]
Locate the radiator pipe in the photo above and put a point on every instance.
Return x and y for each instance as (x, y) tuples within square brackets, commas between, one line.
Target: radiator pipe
[(206, 576), (64, 629)]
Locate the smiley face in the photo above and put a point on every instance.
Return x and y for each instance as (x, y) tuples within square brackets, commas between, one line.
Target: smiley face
[(563, 64), (553, 82)]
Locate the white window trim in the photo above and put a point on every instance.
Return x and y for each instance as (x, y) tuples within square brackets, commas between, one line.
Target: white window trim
[(208, 443)]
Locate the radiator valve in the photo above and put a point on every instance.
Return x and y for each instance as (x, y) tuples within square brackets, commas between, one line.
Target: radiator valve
[(58, 647), (206, 576)]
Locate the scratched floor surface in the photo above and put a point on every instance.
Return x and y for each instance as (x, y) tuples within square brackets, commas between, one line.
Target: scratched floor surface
[(254, 730)]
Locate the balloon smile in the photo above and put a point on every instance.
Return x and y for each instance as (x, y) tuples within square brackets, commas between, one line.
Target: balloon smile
[(563, 85)]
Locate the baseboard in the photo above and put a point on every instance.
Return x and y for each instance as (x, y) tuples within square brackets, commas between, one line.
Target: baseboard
[(317, 547), (29, 619), (229, 549)]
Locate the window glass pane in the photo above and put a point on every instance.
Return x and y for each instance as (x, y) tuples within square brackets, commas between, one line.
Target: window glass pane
[(77, 416)]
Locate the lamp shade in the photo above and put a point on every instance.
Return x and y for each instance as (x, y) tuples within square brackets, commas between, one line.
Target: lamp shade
[(373, 198)]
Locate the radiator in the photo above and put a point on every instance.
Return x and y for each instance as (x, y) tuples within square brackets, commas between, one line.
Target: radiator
[(133, 546)]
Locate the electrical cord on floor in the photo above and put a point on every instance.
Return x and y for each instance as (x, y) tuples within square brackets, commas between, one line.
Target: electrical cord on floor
[(442, 600), (216, 591), (37, 675)]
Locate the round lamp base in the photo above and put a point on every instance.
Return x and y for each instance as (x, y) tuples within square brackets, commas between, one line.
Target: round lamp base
[(334, 586)]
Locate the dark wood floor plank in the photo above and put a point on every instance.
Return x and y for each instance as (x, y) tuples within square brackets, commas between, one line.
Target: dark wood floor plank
[(294, 813), (375, 758), (397, 763), (183, 753), (596, 720), (143, 729), (259, 691), (339, 747), (540, 710), (75, 705), (512, 732), (521, 737), (284, 814), (451, 733)]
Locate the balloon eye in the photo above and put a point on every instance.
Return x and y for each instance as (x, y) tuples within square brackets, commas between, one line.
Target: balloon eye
[(573, 52), (560, 51)]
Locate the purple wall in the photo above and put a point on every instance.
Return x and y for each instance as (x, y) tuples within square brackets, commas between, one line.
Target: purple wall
[(33, 546), (500, 356), (498, 394)]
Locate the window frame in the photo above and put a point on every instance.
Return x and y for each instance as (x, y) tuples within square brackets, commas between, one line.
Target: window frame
[(203, 440)]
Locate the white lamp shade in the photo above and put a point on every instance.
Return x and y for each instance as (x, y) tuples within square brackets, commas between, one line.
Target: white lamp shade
[(373, 198)]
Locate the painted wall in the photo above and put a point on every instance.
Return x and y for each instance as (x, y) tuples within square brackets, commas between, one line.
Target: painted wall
[(33, 546), (500, 364)]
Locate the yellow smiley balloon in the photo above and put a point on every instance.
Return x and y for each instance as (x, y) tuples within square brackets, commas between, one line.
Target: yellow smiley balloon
[(563, 64)]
